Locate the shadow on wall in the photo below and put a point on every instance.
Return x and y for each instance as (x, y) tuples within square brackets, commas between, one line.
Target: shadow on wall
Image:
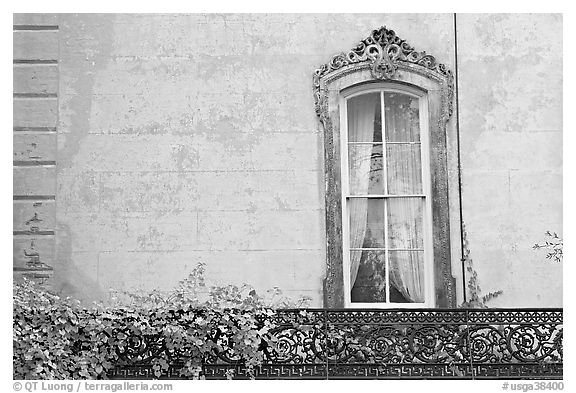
[(81, 56), (70, 277)]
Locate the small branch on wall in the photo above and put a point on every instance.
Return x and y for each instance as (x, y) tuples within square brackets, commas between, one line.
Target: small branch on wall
[(554, 245)]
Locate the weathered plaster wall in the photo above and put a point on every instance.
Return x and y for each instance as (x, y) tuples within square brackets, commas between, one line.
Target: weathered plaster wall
[(188, 138), (510, 69)]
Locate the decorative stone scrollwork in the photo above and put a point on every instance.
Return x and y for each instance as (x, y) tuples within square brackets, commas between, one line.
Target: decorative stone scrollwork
[(384, 51)]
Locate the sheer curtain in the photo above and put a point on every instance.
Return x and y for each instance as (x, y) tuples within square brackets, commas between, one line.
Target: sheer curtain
[(361, 112), (405, 215), (406, 267), (407, 275)]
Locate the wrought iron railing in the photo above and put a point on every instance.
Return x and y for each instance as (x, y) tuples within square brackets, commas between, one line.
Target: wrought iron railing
[(388, 344)]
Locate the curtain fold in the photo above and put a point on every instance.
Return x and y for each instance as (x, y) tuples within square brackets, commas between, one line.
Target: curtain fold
[(406, 274), (361, 112), (405, 215), (406, 267)]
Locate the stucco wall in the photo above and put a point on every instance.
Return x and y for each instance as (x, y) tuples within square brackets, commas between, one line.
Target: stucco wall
[(510, 69), (188, 138)]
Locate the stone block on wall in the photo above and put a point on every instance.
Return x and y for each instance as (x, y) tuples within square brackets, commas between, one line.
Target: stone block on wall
[(35, 79), (35, 45)]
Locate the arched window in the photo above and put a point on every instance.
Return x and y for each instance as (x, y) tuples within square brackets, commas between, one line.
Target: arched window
[(384, 108), (386, 197)]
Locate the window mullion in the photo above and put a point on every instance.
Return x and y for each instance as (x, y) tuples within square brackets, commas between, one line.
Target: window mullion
[(385, 174)]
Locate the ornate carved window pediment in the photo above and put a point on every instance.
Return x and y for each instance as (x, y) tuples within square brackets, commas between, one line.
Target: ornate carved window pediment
[(383, 58)]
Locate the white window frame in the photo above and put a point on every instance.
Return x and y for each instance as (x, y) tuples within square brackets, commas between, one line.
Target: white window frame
[(426, 190)]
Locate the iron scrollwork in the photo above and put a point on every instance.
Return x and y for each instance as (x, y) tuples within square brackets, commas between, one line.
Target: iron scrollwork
[(383, 344)]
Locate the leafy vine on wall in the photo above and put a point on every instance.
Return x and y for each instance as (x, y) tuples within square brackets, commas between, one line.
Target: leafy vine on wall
[(475, 298), (58, 338)]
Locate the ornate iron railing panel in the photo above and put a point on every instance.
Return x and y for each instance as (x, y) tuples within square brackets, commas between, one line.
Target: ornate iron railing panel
[(385, 344), (513, 343), (397, 343)]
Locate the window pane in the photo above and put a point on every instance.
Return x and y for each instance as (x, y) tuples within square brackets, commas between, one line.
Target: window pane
[(406, 276), (368, 275), (366, 220), (404, 169), (405, 223), (402, 118), (364, 118), (366, 171)]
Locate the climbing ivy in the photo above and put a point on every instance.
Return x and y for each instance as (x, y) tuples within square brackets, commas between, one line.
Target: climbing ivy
[(58, 338)]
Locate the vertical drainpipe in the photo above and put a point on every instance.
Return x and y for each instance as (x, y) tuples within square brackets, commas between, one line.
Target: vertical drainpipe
[(462, 257)]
